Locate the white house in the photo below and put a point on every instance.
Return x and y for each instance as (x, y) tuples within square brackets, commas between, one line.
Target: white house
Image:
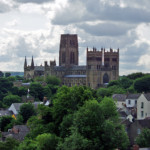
[(131, 100), (119, 100), (143, 106)]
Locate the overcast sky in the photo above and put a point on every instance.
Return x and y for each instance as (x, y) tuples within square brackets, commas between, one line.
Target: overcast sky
[(33, 27)]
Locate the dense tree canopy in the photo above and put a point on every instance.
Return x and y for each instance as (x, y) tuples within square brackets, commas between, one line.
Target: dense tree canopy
[(143, 140), (26, 111), (94, 129), (6, 122), (8, 100), (142, 84), (36, 90)]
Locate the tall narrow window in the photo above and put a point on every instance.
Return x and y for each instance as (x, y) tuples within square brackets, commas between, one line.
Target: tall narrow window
[(105, 78), (72, 57), (63, 57), (142, 104), (142, 114), (129, 102)]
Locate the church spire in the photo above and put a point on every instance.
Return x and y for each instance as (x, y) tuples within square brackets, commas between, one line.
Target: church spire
[(32, 63), (25, 62)]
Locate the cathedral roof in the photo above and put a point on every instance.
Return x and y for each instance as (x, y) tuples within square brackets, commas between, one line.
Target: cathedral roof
[(78, 68), (75, 76), (39, 68)]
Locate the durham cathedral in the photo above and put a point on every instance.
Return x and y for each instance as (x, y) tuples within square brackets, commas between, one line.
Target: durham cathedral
[(101, 66)]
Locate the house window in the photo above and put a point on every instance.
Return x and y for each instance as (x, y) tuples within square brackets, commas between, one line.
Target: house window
[(129, 102), (138, 131), (142, 104), (142, 114)]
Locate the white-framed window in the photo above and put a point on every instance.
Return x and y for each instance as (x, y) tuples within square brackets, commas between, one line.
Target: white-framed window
[(129, 101), (138, 131), (142, 104), (142, 114)]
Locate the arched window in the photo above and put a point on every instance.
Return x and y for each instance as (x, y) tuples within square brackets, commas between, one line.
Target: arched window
[(105, 78)]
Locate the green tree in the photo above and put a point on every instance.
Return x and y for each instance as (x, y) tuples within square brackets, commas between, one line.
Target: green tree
[(143, 140), (142, 84), (126, 82), (36, 127), (65, 125), (36, 90), (9, 144), (26, 111), (68, 100), (53, 80), (94, 125), (22, 91), (134, 76), (75, 142), (28, 144), (102, 92), (7, 74), (47, 141), (114, 82), (45, 113), (5, 121), (47, 92), (8, 100)]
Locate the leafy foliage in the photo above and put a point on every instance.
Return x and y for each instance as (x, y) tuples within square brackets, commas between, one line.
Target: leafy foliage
[(142, 84), (6, 122), (9, 144), (36, 90), (143, 140), (26, 111), (47, 141), (8, 100)]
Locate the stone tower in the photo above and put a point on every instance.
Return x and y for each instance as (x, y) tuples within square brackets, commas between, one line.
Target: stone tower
[(102, 67), (68, 52)]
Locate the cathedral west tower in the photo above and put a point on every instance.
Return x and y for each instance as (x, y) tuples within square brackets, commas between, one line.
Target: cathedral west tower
[(68, 52)]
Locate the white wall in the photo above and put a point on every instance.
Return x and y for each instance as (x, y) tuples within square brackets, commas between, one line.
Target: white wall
[(132, 102), (12, 108), (145, 109)]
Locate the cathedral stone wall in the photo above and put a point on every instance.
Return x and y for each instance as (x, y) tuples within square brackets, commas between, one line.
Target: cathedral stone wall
[(101, 66)]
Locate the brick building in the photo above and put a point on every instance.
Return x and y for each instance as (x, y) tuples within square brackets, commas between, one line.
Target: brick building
[(101, 66)]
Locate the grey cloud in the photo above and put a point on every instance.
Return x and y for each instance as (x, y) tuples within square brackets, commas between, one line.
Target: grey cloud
[(34, 1), (106, 29), (4, 8), (79, 11), (130, 57)]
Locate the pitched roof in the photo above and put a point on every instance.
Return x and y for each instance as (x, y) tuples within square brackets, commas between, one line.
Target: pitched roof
[(5, 113), (133, 96), (21, 128), (78, 68), (23, 131), (144, 123), (17, 105), (119, 97), (147, 96), (75, 76), (39, 68)]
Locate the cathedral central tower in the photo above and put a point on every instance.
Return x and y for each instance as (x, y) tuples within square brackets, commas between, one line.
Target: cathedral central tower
[(68, 52)]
